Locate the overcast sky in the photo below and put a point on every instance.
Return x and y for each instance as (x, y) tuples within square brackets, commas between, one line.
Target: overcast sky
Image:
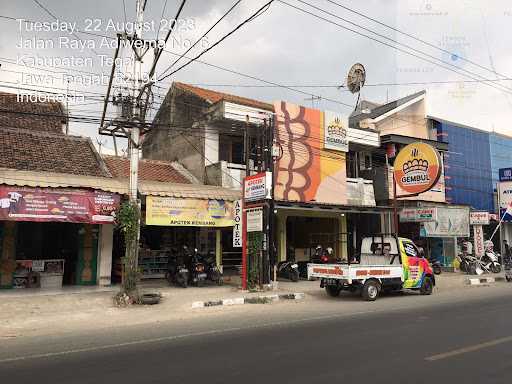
[(289, 47)]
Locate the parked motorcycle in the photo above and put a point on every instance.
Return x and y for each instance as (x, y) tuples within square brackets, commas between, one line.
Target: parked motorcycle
[(177, 271), (321, 255), (213, 272), (436, 264), (466, 262), (489, 260), (288, 270), (197, 269)]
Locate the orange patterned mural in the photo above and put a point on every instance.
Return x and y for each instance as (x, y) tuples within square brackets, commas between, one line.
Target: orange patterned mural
[(305, 171)]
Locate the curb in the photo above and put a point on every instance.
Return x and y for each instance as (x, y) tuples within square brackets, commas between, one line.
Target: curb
[(265, 299), (483, 280)]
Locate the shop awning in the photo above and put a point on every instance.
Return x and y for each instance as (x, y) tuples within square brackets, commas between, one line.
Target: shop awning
[(61, 180), (330, 208), (196, 191)]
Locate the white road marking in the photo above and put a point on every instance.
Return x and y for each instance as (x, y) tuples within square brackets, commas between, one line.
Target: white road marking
[(176, 337), (469, 349)]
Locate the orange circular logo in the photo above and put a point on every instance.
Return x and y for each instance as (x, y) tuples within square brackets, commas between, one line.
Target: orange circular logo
[(417, 168)]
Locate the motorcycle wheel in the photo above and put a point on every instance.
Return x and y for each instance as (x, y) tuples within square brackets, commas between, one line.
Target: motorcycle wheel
[(181, 281), (508, 278), (495, 268), (437, 269), (464, 266), (168, 278), (471, 270), (294, 275)]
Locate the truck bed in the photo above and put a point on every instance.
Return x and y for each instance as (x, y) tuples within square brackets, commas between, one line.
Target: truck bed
[(354, 271)]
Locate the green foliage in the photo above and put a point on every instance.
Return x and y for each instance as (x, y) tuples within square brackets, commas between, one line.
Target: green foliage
[(128, 218)]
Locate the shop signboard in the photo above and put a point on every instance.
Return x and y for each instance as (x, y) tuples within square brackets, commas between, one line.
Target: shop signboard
[(237, 224), (254, 219), (306, 171), (417, 168), (175, 211), (450, 222), (335, 132), (505, 199), (479, 218), (258, 187), (416, 215), (61, 205), (505, 174), (478, 236)]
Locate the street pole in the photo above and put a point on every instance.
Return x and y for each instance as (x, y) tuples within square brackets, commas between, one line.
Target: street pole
[(244, 213), (395, 207)]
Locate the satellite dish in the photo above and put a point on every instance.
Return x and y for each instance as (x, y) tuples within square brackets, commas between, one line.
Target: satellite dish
[(356, 78)]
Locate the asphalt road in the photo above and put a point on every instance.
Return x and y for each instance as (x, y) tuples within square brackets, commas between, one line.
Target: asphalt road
[(461, 341)]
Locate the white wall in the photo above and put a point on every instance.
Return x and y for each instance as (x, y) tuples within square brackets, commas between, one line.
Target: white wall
[(105, 254), (211, 146)]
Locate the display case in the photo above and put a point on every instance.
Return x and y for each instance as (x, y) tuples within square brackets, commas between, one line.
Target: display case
[(153, 263)]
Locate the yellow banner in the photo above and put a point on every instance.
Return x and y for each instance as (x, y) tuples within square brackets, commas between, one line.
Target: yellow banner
[(171, 211)]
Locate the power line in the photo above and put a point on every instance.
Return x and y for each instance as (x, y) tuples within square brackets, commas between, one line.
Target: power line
[(248, 20), (504, 89), (414, 37), (202, 37), (57, 18), (161, 18)]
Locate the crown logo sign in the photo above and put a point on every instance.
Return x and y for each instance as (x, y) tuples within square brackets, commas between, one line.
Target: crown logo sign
[(415, 166), (336, 128)]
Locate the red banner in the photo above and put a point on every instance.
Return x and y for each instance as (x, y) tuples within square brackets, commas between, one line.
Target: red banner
[(53, 204)]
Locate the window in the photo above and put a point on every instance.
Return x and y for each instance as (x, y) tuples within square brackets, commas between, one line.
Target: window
[(231, 149)]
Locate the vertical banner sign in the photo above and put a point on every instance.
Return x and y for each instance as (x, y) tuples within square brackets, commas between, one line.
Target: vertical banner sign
[(478, 235), (237, 226), (254, 220)]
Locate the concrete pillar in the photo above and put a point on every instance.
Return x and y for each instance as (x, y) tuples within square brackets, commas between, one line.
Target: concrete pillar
[(218, 247), (281, 236), (105, 244), (341, 250)]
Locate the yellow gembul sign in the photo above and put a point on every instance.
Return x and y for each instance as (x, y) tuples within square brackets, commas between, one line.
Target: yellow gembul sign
[(417, 168), (170, 211)]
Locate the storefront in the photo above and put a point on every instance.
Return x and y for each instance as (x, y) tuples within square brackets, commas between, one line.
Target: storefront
[(322, 193), (51, 237), (436, 228), (177, 215)]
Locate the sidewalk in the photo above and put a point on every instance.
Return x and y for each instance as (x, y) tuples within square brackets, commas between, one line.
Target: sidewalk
[(24, 312)]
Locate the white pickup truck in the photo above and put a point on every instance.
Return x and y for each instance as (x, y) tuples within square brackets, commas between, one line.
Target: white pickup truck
[(387, 263)]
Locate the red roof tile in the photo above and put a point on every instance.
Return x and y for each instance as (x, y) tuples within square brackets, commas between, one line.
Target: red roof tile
[(16, 113), (214, 97), (28, 150), (151, 170)]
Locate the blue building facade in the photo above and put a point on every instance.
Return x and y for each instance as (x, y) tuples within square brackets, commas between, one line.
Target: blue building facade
[(472, 163)]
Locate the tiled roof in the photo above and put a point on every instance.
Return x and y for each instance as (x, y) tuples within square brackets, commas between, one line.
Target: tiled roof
[(152, 170), (28, 150), (214, 97), (24, 114)]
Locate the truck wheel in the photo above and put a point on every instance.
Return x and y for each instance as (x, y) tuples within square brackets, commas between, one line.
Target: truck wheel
[(332, 290), (371, 290), (427, 286)]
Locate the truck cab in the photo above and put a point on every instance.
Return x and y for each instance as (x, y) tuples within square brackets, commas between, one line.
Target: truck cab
[(386, 263)]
